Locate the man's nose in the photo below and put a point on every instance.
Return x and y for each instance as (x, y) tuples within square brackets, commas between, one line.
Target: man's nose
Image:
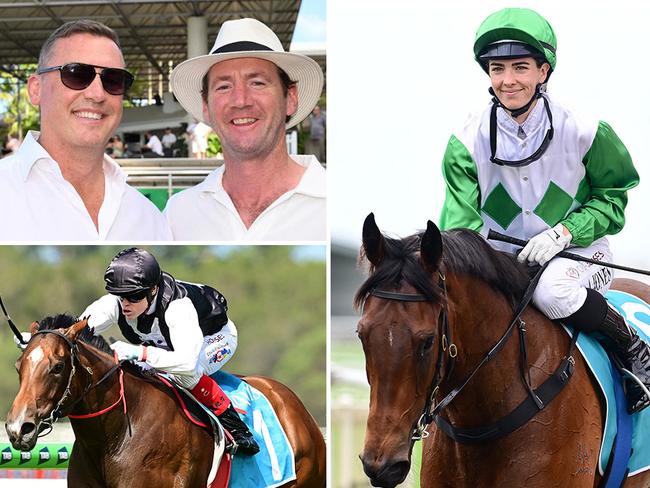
[(240, 95), (95, 91)]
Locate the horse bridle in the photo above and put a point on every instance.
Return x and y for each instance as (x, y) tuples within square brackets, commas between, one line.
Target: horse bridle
[(57, 412), (535, 401), (446, 346)]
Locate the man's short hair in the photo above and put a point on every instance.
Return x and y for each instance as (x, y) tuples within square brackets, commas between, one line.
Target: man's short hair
[(82, 26), (284, 79)]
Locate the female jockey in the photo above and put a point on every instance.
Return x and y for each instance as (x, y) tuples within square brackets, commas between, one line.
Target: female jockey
[(528, 167), (173, 326)]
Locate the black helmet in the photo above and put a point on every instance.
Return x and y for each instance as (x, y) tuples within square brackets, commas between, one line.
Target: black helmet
[(132, 270)]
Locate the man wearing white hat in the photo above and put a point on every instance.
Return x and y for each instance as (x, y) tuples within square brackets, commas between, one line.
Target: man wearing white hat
[(249, 90)]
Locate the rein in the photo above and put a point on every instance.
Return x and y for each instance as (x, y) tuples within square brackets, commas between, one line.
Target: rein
[(535, 401), (56, 413)]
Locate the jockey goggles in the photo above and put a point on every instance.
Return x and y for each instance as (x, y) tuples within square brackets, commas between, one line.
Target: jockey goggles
[(136, 296), (79, 76)]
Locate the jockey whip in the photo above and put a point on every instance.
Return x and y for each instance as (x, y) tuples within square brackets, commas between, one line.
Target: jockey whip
[(497, 236), (14, 329)]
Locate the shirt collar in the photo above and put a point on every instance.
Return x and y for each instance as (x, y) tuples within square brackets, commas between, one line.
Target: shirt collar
[(31, 151), (312, 182)]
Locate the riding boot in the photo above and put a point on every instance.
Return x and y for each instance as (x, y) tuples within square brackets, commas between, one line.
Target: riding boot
[(210, 394), (629, 350)]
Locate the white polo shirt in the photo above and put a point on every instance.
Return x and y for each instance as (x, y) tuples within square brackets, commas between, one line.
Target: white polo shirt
[(205, 212), (37, 203)]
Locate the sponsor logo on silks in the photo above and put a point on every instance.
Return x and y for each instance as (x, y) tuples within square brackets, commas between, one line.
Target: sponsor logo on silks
[(63, 455), (572, 273), (220, 354), (43, 455), (213, 339), (7, 455)]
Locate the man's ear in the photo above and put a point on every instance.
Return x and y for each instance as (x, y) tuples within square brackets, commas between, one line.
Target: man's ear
[(292, 100), (34, 89)]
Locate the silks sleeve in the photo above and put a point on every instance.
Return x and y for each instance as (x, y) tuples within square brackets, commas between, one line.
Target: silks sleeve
[(462, 195), (610, 174)]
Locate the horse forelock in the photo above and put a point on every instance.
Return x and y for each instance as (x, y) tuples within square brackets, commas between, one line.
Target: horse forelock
[(400, 265), (464, 252), (63, 321)]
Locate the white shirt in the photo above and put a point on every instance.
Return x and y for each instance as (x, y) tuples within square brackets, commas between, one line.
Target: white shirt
[(37, 203), (155, 145), (184, 332), (168, 140), (206, 212)]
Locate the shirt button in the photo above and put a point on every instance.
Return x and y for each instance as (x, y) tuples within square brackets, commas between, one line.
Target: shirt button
[(523, 144), (527, 212), (525, 178)]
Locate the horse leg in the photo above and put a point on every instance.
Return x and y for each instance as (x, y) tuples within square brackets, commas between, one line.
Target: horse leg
[(302, 431)]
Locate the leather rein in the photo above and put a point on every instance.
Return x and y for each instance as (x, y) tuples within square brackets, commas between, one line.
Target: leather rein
[(535, 401), (57, 412)]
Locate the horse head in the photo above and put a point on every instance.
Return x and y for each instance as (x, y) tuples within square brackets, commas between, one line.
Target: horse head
[(401, 304), (45, 369)]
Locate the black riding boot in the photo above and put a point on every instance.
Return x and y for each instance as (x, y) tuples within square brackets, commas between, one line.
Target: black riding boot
[(242, 436), (617, 337)]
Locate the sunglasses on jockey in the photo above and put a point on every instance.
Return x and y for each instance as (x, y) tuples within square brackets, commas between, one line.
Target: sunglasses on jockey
[(79, 76), (134, 297)]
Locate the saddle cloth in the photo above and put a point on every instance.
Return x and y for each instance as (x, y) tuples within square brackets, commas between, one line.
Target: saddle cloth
[(274, 465), (637, 314)]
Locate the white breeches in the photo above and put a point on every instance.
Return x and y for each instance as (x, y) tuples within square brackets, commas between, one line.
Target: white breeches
[(216, 351), (562, 287)]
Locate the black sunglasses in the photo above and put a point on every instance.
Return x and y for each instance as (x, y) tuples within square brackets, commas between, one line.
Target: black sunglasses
[(134, 297), (78, 76)]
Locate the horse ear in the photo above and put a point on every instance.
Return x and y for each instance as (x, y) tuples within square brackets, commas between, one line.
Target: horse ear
[(373, 241), (75, 329), (431, 247), (33, 328)]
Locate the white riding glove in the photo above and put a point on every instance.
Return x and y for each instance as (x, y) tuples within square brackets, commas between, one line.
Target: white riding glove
[(126, 351), (26, 337), (541, 248)]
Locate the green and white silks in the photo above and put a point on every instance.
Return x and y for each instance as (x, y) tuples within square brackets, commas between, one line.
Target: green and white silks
[(580, 181)]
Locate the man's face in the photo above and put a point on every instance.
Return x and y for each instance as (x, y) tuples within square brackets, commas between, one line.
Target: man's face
[(246, 106), (514, 80), (85, 118), (133, 309)]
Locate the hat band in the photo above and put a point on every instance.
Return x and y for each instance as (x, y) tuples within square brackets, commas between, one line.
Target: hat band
[(241, 46)]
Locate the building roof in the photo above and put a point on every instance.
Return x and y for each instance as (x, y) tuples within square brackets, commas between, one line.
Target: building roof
[(153, 33)]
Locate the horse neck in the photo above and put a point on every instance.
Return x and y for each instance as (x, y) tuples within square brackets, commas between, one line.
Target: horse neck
[(478, 318)]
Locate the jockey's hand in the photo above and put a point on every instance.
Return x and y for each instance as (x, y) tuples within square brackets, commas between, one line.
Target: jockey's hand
[(126, 351), (26, 337), (541, 248)]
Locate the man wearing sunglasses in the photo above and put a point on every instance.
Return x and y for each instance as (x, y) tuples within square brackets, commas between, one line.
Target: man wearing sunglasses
[(180, 328), (60, 185), (528, 167)]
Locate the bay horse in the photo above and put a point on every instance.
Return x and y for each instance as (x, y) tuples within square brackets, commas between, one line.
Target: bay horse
[(151, 445), (433, 306)]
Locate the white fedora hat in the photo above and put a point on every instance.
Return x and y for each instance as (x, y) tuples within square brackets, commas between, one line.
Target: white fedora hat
[(248, 38)]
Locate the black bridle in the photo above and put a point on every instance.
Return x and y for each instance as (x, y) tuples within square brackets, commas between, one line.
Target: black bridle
[(536, 400)]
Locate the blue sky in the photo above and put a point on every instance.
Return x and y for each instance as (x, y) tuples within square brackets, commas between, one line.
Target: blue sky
[(310, 26)]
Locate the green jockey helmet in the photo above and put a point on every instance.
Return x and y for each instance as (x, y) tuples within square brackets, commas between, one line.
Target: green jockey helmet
[(515, 33)]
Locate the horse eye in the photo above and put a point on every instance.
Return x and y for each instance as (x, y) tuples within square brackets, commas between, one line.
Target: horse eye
[(427, 343), (57, 368)]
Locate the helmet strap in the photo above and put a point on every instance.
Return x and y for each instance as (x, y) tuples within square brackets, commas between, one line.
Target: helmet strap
[(493, 134), (516, 112)]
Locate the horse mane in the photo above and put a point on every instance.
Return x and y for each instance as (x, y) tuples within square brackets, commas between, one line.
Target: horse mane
[(63, 321), (463, 252)]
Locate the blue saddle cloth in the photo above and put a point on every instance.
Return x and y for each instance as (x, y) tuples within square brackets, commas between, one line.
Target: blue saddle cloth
[(274, 465), (637, 314)]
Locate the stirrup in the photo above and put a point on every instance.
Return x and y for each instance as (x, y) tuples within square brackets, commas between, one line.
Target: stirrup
[(641, 403)]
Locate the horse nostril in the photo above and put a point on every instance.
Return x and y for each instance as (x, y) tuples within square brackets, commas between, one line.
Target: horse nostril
[(27, 428)]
